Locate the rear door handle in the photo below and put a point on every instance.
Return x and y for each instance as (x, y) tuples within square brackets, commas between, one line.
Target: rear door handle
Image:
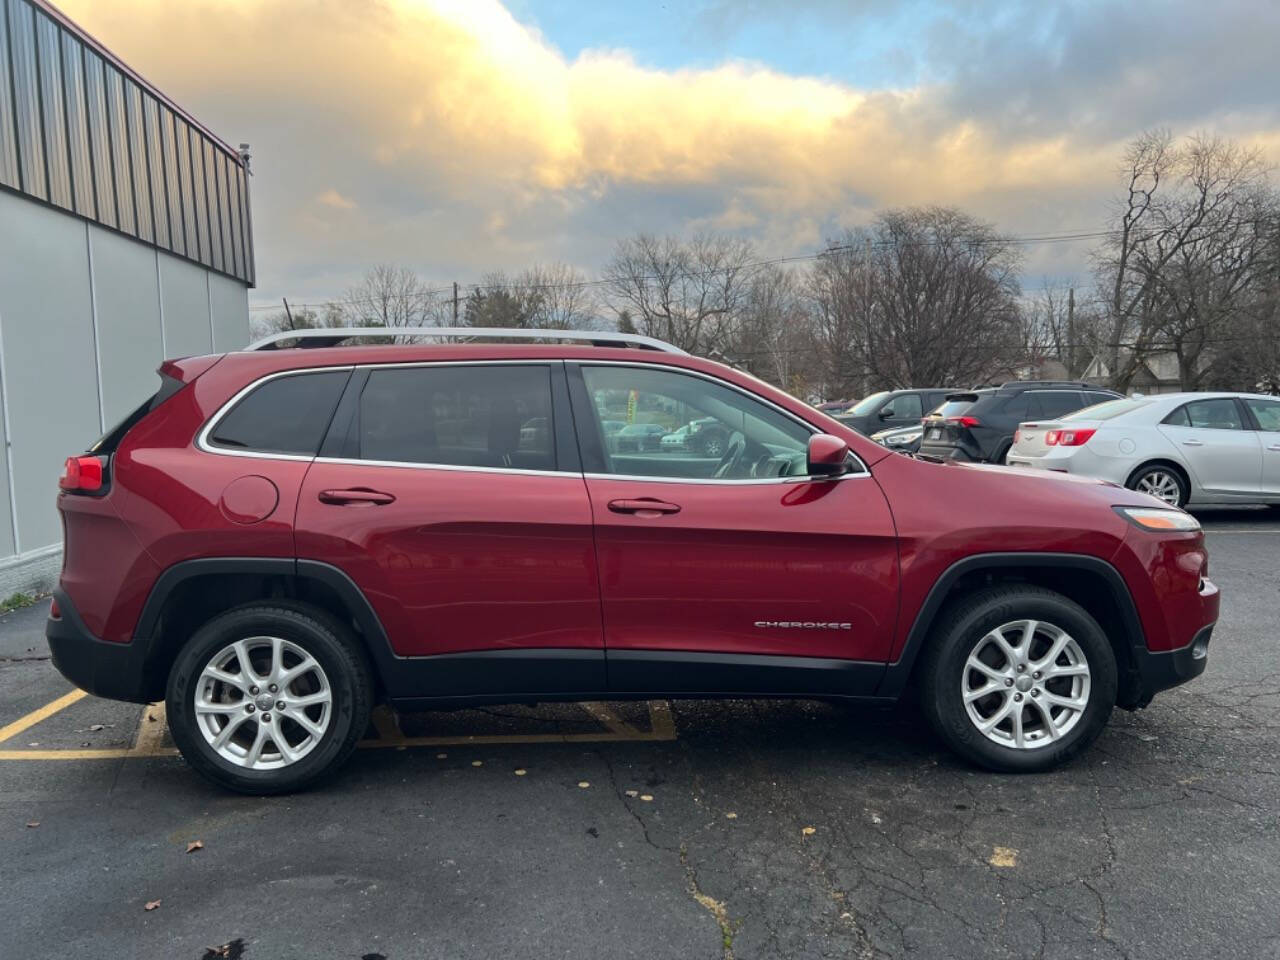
[(355, 495), (1193, 443), (644, 507)]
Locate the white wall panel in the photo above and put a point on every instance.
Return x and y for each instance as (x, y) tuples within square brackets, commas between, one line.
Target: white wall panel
[(184, 294), (127, 297), (229, 305), (49, 362)]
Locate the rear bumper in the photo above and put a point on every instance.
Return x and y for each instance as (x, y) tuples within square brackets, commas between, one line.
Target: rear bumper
[(115, 671)]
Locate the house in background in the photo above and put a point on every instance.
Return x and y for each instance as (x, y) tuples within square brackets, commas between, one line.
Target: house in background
[(1158, 373), (124, 239)]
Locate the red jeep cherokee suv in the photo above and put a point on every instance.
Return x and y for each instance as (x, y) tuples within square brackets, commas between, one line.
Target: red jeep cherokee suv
[(282, 536)]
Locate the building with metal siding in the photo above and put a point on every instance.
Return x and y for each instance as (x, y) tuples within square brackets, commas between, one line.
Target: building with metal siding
[(125, 238)]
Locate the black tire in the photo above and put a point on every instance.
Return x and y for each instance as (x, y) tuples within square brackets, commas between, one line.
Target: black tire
[(1151, 469), (960, 629), (320, 635)]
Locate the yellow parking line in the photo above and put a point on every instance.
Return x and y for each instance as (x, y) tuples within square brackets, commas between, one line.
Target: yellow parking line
[(104, 754), (150, 739), (44, 713), (606, 716)]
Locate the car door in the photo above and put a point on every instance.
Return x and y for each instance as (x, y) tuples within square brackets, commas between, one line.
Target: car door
[(1210, 434), (1266, 418), (465, 523), (734, 573)]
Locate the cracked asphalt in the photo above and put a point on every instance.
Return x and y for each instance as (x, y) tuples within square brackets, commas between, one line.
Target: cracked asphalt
[(764, 830)]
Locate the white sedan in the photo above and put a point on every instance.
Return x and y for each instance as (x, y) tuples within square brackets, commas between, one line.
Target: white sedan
[(1180, 447)]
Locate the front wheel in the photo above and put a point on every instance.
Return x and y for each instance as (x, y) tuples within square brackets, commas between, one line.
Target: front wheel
[(1019, 679), (268, 698)]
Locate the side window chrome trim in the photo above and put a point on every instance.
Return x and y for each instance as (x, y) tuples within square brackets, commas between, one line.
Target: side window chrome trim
[(203, 437), (452, 467)]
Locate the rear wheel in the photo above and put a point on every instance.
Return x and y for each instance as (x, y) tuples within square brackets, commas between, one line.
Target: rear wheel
[(1162, 482), (1019, 679), (269, 698)]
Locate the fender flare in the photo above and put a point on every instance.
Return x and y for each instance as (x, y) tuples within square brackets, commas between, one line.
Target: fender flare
[(899, 672)]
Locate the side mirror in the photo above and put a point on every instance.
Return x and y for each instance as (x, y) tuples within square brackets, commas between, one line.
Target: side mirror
[(886, 413), (828, 456)]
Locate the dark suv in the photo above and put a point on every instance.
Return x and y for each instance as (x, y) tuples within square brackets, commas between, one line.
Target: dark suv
[(891, 408), (282, 537), (978, 425)]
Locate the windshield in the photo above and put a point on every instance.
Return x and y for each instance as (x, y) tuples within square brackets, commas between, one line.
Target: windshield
[(1105, 411), (868, 404)]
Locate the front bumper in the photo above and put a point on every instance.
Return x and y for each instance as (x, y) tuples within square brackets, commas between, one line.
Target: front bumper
[(116, 671), (1156, 671)]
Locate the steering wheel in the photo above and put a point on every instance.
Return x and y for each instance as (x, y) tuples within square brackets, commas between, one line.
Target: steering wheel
[(732, 454)]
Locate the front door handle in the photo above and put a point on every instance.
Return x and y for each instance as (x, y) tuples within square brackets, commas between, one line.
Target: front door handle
[(1274, 446), (644, 507), (1193, 443), (355, 495)]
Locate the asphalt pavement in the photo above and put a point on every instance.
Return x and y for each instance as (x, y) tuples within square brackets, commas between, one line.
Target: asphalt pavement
[(694, 830)]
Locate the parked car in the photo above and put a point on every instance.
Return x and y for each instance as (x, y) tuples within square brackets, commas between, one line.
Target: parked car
[(833, 407), (978, 425), (705, 437), (639, 436), (1180, 447), (611, 428), (902, 439), (280, 537), (890, 409)]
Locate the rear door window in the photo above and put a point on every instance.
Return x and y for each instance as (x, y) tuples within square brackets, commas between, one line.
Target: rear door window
[(1052, 404), (286, 414), (494, 417), (1217, 414)]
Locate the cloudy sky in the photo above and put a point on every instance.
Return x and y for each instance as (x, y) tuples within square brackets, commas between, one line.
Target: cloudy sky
[(460, 136)]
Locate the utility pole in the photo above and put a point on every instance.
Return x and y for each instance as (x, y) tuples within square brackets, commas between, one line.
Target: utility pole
[(1071, 333), (455, 303), (288, 313)]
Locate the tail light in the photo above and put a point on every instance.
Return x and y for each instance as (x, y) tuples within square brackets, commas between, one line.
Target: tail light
[(1068, 438), (83, 474), (964, 421)]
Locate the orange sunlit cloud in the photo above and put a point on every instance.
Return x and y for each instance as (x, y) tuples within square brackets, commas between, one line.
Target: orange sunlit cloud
[(448, 135)]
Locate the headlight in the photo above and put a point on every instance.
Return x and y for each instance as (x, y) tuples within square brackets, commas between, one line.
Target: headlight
[(1154, 518)]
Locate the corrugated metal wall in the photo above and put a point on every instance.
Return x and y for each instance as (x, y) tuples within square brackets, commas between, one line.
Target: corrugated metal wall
[(80, 132)]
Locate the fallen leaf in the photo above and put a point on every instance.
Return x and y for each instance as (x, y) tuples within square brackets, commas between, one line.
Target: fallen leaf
[(477, 763), (632, 793), (731, 815), (195, 845), (808, 831), (95, 727), (583, 784), (647, 797), (441, 756), (32, 824), (875, 818), (228, 951), (521, 772), (1003, 857), (151, 905), (151, 718)]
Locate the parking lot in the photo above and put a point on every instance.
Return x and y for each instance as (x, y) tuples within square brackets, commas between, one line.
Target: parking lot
[(654, 830)]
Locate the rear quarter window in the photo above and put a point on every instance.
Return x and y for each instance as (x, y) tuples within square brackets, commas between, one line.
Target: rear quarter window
[(287, 414)]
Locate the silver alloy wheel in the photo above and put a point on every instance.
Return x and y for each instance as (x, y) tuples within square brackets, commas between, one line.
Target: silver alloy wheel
[(1161, 484), (1025, 684), (263, 703)]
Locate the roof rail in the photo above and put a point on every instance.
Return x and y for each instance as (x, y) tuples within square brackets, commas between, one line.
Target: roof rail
[(328, 336), (1078, 384)]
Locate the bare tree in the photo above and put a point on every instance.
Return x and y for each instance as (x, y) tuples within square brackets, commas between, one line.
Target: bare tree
[(391, 296), (922, 297), (566, 299), (774, 339), (688, 293), (1178, 227)]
